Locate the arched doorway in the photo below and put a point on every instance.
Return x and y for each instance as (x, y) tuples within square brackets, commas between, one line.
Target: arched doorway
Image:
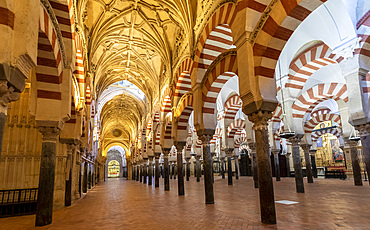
[(113, 168)]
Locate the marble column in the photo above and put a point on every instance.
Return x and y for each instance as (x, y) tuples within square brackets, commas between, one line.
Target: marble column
[(174, 171), (187, 168), (141, 171), (229, 153), (297, 163), (150, 171), (287, 159), (222, 167), (306, 149), (355, 163), (156, 174), (237, 172), (145, 169), (206, 136), (364, 131), (45, 198), (265, 183), (276, 152), (252, 146), (180, 181), (84, 180), (166, 169), (313, 162), (198, 170), (68, 188), (89, 177)]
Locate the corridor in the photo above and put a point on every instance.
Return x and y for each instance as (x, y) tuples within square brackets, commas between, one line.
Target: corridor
[(121, 204)]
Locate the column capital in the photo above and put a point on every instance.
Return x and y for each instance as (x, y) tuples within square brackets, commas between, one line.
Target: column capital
[(229, 151), (275, 151), (260, 119), (49, 133), (306, 147), (166, 151), (252, 146), (157, 155), (180, 145), (312, 151), (205, 135), (7, 94), (295, 139), (363, 129)]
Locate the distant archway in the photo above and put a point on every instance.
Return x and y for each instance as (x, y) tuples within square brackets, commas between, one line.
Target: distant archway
[(113, 168)]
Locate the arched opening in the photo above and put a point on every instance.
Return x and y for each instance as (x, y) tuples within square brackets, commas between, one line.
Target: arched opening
[(113, 168)]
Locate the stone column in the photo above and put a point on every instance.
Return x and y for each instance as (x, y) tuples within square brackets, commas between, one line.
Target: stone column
[(89, 177), (222, 167), (365, 142), (229, 153), (236, 159), (198, 170), (174, 170), (138, 171), (45, 199), (145, 168), (276, 152), (141, 171), (252, 146), (206, 136), (187, 168), (84, 180), (68, 189), (266, 188), (166, 169), (306, 149), (287, 159), (355, 163), (297, 163), (12, 82), (180, 182), (150, 171), (313, 162), (156, 176)]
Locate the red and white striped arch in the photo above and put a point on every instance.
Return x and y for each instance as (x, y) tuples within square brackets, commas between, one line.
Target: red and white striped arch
[(156, 117), (319, 93), (234, 127), (183, 112), (216, 78), (232, 106), (79, 71), (182, 80), (49, 70), (219, 41), (277, 117), (283, 19), (316, 135), (218, 134), (307, 63), (320, 116)]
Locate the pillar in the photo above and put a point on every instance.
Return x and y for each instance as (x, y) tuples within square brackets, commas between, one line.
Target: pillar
[(297, 163), (145, 169), (174, 170), (89, 177), (365, 142), (276, 152), (306, 149), (84, 180), (313, 162), (45, 199), (355, 163), (68, 188), (187, 168), (150, 171), (138, 171), (222, 167), (180, 181), (141, 171), (206, 136), (156, 176), (237, 172), (266, 189), (198, 170), (166, 169), (287, 159), (229, 153), (252, 146)]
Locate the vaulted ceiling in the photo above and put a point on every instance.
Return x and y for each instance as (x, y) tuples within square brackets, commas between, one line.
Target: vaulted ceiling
[(137, 41)]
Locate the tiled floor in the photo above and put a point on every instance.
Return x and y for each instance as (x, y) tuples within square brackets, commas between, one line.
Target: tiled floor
[(121, 204)]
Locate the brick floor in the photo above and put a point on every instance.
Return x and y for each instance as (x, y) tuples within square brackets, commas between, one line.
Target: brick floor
[(121, 204)]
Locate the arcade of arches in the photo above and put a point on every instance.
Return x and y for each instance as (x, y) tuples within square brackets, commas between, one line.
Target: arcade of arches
[(152, 89)]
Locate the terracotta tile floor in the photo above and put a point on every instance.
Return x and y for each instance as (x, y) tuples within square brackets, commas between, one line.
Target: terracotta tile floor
[(121, 204)]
